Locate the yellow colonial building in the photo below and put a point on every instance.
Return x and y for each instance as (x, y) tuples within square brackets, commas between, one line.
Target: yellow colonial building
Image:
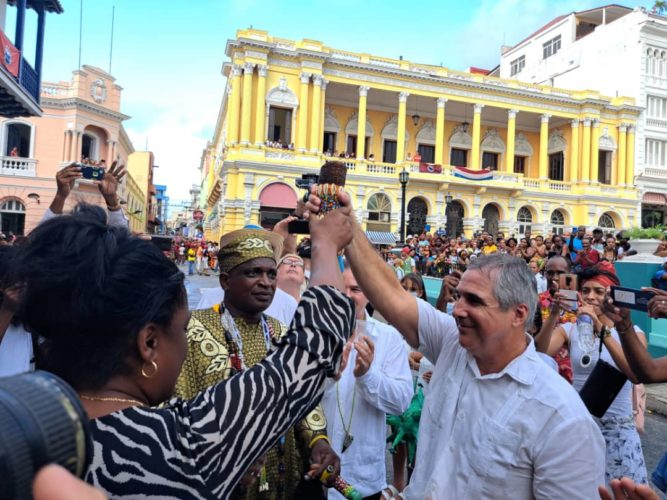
[(557, 157)]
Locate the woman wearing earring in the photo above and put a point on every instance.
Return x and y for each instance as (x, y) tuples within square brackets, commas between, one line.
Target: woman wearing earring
[(113, 312), (624, 452)]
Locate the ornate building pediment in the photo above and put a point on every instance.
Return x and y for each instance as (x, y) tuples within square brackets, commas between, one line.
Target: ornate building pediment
[(426, 134), (492, 142), (330, 122), (521, 145), (282, 95), (461, 138), (390, 129), (606, 141), (352, 126), (557, 142)]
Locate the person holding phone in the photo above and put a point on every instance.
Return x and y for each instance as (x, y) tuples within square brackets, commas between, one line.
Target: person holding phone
[(648, 370), (108, 187), (624, 452)]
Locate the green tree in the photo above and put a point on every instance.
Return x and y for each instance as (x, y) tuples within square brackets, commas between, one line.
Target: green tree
[(660, 7)]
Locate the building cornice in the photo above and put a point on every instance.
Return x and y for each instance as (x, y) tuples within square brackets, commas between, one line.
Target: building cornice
[(77, 102)]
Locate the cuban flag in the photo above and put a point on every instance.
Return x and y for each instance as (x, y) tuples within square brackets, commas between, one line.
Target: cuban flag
[(473, 175)]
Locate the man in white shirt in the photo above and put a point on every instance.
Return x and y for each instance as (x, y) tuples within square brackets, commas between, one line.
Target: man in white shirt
[(540, 280), (375, 381), (497, 422)]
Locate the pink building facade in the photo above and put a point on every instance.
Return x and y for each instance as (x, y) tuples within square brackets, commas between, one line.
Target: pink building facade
[(81, 119)]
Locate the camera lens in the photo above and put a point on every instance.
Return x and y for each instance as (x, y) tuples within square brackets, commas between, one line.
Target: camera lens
[(41, 422)]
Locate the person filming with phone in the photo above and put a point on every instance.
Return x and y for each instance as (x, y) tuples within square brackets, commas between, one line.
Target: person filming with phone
[(595, 325)]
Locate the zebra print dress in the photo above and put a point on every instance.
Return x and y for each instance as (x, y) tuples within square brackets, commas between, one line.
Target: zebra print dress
[(201, 448)]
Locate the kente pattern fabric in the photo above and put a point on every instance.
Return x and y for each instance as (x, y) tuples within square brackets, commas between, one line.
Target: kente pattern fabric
[(209, 360), (200, 448)]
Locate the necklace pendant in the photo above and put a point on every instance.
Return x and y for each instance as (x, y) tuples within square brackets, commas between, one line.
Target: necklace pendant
[(347, 441)]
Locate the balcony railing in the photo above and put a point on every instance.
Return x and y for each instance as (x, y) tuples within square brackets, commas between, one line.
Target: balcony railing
[(656, 172), (29, 80), (381, 168), (656, 122), (13, 165)]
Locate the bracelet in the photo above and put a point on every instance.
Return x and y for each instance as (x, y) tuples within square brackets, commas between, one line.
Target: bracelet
[(604, 333), (317, 438)]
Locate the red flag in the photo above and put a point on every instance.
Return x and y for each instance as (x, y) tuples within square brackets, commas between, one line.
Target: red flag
[(430, 168), (11, 57)]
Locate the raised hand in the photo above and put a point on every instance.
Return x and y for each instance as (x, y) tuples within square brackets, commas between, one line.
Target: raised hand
[(335, 227), (108, 186), (365, 355), (65, 179)]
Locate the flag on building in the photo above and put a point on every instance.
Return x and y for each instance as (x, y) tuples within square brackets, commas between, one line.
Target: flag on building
[(473, 175), (11, 56), (430, 168)]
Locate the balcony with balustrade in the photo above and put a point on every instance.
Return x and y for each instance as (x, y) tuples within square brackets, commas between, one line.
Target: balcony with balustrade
[(19, 80), (16, 166)]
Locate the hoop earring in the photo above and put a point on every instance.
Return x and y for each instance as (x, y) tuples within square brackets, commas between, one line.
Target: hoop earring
[(143, 370)]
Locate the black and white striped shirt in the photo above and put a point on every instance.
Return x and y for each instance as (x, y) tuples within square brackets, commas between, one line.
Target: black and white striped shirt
[(202, 447)]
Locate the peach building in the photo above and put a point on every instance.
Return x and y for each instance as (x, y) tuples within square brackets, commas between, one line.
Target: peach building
[(81, 119)]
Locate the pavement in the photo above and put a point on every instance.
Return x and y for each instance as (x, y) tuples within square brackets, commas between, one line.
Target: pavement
[(656, 398), (194, 283)]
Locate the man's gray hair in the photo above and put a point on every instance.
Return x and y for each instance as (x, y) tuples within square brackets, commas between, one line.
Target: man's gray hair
[(513, 282)]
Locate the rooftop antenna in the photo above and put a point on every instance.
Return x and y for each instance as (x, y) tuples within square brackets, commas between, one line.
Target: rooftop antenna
[(80, 30), (113, 15)]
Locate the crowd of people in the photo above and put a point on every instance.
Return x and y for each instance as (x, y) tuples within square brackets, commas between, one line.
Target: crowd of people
[(436, 254), (201, 255), (280, 384)]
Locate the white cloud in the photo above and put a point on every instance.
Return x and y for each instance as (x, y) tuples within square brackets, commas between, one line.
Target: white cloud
[(176, 142)]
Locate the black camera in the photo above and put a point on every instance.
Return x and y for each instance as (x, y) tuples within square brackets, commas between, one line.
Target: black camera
[(306, 181), (42, 422), (300, 226)]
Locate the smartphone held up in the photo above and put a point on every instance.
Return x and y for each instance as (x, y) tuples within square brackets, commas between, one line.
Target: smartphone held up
[(568, 286)]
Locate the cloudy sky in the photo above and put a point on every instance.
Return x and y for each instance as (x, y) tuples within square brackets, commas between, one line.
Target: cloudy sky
[(167, 54)]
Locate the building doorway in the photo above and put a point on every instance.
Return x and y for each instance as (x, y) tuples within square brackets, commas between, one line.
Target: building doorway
[(455, 213), (491, 217), (417, 212)]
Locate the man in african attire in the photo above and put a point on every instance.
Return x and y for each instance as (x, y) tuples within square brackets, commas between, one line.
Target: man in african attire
[(235, 335)]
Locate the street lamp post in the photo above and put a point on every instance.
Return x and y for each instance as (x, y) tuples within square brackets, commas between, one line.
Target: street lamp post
[(403, 178)]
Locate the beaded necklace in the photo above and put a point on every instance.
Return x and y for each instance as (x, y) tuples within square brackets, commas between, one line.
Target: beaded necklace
[(233, 337)]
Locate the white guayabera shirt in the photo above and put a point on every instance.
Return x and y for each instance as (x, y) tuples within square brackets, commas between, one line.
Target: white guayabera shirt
[(520, 433), (386, 388)]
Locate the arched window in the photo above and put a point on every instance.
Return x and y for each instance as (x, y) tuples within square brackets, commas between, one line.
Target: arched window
[(525, 219), (379, 213), (12, 217), (557, 221), (606, 222)]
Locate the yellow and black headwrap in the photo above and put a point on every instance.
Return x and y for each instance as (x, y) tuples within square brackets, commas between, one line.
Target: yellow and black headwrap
[(243, 245)]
